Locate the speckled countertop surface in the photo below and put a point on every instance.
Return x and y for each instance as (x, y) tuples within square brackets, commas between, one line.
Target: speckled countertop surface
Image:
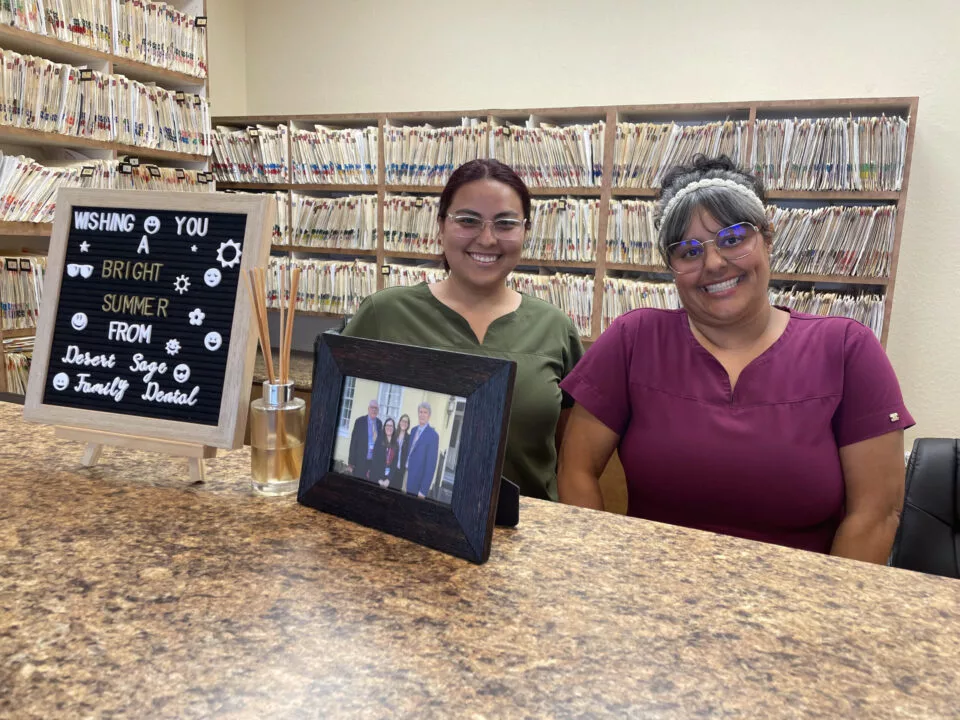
[(126, 592), (301, 369)]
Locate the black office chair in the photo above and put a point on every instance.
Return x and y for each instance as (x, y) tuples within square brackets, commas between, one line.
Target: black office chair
[(928, 539)]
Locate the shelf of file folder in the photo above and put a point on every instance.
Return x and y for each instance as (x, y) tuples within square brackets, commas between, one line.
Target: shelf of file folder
[(423, 155), (824, 154), (864, 306), (29, 188), (254, 155), (344, 223), (851, 241), (545, 155), (621, 295), (410, 224), (178, 41), (328, 288), (45, 102), (571, 293), (333, 156), (406, 275), (644, 151), (20, 40), (21, 289), (563, 231)]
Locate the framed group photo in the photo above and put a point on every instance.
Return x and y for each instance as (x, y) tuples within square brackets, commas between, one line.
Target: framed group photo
[(408, 440)]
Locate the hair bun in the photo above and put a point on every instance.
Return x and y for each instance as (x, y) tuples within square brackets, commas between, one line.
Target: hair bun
[(704, 164)]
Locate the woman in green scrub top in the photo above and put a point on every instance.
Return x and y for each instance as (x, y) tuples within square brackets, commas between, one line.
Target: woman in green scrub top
[(484, 215)]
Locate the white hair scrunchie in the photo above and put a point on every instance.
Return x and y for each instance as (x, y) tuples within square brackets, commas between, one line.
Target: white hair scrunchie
[(711, 182)]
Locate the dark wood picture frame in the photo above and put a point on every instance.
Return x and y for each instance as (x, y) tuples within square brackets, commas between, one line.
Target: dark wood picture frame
[(464, 527)]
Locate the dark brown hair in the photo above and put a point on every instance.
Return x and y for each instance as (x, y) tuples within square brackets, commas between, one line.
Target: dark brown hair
[(482, 169)]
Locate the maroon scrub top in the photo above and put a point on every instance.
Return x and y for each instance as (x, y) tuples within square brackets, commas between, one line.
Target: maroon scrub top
[(760, 462)]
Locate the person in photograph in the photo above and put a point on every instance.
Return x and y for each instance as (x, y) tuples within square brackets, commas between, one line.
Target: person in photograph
[(366, 430), (732, 415), (424, 447), (484, 216), (385, 455), (403, 452)]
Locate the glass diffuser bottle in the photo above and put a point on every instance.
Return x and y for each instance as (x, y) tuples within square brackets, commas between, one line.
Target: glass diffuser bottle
[(277, 428)]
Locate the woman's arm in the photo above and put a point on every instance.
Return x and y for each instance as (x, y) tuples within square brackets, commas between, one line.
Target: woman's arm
[(561, 428), (873, 475), (586, 449)]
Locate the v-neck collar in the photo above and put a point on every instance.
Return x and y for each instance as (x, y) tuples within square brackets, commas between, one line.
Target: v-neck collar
[(761, 359), (460, 320)]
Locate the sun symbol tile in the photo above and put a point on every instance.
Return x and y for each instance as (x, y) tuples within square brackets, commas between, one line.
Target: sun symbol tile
[(197, 316), (181, 284), (173, 347), (235, 260)]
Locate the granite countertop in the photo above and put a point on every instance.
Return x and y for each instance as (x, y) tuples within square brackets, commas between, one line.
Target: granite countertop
[(128, 592), (301, 369)]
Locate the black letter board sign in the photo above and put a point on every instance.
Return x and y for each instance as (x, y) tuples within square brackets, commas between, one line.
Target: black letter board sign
[(145, 321)]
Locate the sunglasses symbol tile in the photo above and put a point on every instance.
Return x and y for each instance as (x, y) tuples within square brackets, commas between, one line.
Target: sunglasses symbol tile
[(84, 271)]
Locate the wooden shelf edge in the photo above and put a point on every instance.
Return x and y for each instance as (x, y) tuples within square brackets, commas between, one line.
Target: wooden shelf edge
[(230, 185), (834, 279), (11, 133), (311, 313), (400, 255), (431, 189), (303, 187), (25, 229), (779, 277), (18, 333), (24, 41), (539, 262), (634, 192), (359, 252), (572, 191), (864, 195)]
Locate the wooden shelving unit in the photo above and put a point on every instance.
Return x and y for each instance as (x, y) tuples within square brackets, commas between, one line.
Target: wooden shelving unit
[(606, 191), (28, 43)]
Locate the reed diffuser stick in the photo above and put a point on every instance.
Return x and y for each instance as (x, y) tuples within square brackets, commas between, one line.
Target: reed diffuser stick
[(291, 311), (259, 307), (281, 301)]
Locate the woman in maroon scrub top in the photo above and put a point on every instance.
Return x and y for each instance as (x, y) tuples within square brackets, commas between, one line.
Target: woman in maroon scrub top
[(732, 415)]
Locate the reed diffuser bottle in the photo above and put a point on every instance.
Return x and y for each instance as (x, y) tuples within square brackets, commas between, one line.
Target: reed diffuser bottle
[(277, 425), (277, 420)]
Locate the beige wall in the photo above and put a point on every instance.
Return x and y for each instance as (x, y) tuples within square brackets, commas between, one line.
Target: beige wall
[(311, 56), (227, 49)]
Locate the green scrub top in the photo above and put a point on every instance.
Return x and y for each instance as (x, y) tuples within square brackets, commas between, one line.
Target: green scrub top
[(538, 336)]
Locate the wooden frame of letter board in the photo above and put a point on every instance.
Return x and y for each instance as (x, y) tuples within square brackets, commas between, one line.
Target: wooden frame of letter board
[(169, 436), (464, 527)]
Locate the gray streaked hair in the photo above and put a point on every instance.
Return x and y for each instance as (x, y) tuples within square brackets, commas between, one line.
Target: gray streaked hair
[(426, 405), (726, 205)]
